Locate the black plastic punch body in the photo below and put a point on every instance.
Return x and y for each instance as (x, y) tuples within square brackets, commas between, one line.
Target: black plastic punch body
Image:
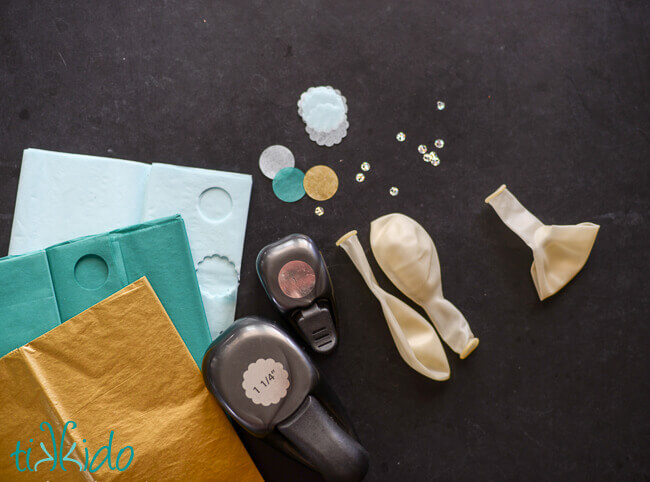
[(295, 277), (266, 383)]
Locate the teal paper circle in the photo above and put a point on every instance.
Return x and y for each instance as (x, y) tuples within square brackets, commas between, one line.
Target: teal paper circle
[(287, 184)]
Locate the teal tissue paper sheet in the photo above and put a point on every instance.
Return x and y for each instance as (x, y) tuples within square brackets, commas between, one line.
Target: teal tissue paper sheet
[(66, 279), (175, 283), (28, 305), (76, 283)]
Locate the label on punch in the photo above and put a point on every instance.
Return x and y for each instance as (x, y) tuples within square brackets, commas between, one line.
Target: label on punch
[(266, 382)]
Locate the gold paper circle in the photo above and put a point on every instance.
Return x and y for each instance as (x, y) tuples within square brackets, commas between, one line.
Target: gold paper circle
[(321, 183)]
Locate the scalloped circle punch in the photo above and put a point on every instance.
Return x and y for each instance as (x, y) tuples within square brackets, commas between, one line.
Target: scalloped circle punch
[(270, 387)]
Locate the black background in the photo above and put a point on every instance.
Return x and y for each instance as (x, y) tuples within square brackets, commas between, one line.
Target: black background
[(549, 97)]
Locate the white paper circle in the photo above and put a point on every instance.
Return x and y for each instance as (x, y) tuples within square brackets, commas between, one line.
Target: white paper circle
[(275, 158)]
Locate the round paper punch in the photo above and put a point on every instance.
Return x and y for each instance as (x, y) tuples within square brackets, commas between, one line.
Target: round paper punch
[(295, 277), (270, 387)]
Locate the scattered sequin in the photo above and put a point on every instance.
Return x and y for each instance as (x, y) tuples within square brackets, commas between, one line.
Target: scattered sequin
[(441, 105), (394, 191), (428, 157), (360, 177), (365, 166), (319, 211), (321, 183), (439, 143), (436, 161), (422, 149), (401, 137)]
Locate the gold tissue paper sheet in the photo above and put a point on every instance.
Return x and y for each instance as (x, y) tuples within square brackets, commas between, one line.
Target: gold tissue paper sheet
[(114, 392)]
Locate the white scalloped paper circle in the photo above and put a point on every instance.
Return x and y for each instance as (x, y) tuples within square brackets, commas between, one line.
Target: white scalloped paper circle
[(306, 106)]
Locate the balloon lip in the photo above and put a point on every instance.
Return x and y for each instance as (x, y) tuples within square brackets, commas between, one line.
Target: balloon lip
[(470, 347), (345, 237), (495, 193)]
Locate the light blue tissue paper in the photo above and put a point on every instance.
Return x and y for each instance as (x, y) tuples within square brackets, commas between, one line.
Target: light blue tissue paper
[(214, 205), (63, 196)]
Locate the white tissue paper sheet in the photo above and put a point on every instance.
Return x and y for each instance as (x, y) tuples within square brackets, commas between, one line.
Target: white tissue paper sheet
[(64, 196), (214, 206)]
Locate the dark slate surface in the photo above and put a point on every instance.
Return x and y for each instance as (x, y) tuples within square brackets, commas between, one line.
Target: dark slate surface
[(548, 97)]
